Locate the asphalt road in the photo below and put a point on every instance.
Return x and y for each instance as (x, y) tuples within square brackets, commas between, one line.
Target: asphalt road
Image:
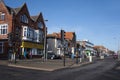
[(99, 70)]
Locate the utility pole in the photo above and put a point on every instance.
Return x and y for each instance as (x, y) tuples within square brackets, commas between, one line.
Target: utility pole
[(10, 42), (118, 49), (63, 44), (45, 41)]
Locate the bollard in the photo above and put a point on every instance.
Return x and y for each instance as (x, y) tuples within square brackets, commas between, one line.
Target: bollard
[(90, 58), (80, 59)]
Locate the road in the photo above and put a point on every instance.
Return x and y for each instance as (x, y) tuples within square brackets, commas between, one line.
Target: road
[(99, 70)]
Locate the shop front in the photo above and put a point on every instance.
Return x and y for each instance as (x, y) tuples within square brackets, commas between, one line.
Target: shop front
[(31, 49)]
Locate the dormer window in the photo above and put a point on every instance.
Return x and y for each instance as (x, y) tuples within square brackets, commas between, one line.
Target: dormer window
[(24, 18), (40, 25), (2, 16)]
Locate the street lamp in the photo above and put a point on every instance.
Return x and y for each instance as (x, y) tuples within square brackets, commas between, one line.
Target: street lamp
[(63, 43), (45, 34), (118, 46)]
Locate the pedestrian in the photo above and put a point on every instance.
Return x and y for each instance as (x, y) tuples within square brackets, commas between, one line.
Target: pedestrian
[(30, 54), (9, 54), (25, 54), (72, 56)]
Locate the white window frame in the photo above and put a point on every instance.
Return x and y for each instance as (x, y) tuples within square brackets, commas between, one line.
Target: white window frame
[(2, 16), (28, 33), (3, 27), (36, 35), (25, 31)]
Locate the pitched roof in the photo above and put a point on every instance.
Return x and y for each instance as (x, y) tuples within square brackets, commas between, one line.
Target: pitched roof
[(54, 35), (13, 10), (17, 10), (10, 10), (69, 35), (34, 18), (99, 46)]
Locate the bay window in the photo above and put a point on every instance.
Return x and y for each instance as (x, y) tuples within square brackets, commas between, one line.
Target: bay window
[(41, 36), (28, 33), (35, 35), (32, 34)]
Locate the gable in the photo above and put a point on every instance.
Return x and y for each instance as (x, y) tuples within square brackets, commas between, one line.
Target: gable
[(3, 7), (22, 10), (40, 19)]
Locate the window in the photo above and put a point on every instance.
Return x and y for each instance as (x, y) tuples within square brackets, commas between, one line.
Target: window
[(31, 32), (41, 36), (24, 18), (25, 32), (1, 47), (40, 25), (2, 16), (3, 29), (35, 35), (28, 33)]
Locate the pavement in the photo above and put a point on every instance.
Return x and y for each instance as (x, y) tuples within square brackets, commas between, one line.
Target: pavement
[(118, 65), (49, 65)]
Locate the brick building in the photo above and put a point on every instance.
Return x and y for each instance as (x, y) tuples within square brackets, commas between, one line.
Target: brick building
[(27, 32), (55, 45)]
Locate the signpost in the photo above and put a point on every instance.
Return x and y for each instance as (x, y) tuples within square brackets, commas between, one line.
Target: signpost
[(63, 44)]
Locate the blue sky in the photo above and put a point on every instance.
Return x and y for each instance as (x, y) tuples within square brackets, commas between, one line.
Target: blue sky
[(95, 20)]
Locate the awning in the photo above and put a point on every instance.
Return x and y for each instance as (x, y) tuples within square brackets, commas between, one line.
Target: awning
[(32, 45)]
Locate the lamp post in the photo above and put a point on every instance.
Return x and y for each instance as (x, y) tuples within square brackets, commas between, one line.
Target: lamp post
[(63, 44), (10, 38), (118, 47), (45, 34), (13, 38), (118, 50)]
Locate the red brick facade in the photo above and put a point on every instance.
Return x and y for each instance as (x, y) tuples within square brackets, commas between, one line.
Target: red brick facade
[(13, 20)]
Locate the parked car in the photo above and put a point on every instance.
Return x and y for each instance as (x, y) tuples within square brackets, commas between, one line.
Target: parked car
[(51, 55)]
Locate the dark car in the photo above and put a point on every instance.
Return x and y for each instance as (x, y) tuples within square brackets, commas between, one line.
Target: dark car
[(51, 55)]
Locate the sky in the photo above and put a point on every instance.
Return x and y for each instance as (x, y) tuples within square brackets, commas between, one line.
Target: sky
[(95, 20)]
